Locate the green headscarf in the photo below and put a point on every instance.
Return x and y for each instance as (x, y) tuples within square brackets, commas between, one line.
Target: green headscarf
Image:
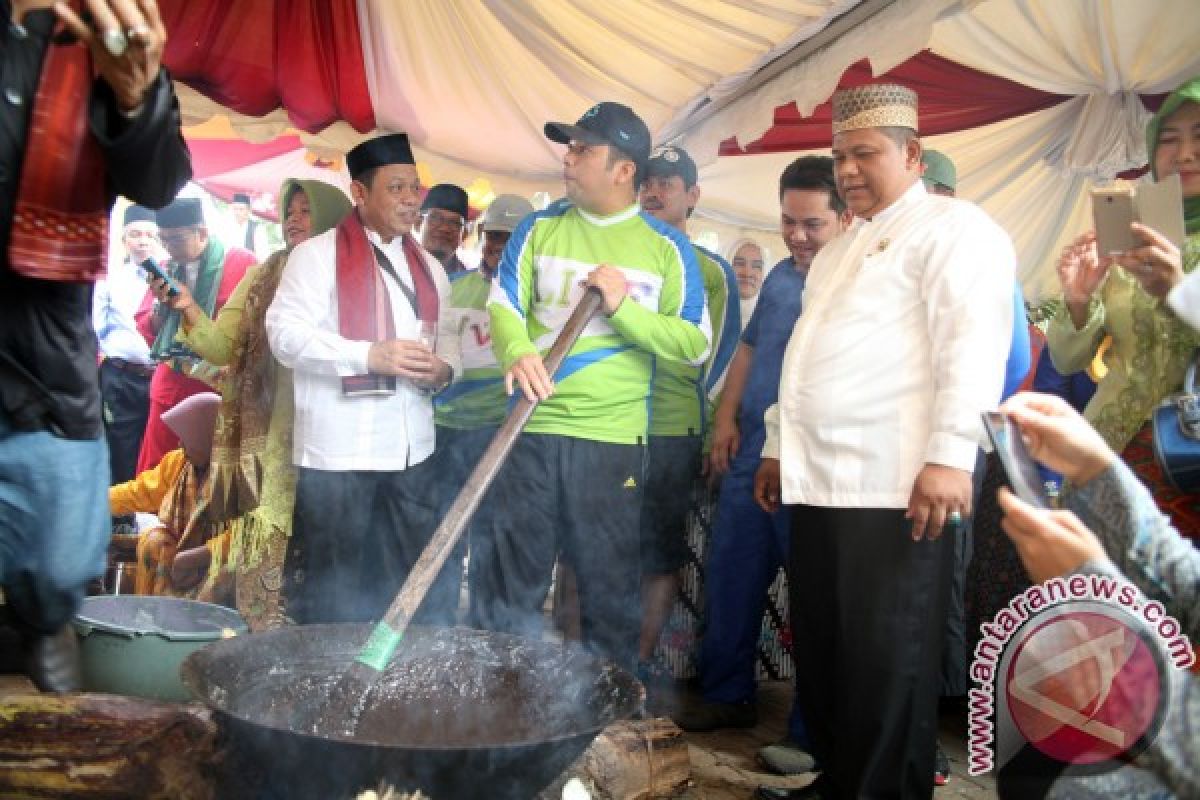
[(1189, 92), (327, 202)]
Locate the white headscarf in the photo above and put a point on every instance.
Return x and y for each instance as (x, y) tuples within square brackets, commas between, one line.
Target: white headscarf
[(747, 304)]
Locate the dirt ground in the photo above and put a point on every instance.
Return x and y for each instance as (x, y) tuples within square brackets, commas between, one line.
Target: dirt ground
[(724, 766)]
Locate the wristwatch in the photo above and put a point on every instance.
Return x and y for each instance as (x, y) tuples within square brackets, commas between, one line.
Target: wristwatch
[(432, 390)]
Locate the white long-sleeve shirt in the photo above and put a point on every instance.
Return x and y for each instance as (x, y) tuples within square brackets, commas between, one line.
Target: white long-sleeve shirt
[(906, 327), (334, 432)]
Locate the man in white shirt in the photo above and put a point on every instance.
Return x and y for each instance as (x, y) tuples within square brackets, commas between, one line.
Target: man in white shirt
[(246, 231), (355, 317), (126, 366), (903, 341)]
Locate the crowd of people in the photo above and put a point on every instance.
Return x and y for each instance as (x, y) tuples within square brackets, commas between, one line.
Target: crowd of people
[(298, 422)]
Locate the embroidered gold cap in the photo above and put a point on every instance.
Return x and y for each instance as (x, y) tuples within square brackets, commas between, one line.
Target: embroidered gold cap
[(875, 105)]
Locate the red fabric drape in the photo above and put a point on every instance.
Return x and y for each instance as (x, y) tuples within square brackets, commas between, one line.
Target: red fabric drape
[(254, 56), (216, 156), (953, 98)]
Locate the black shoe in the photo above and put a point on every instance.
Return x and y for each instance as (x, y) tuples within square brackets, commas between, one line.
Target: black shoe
[(941, 768), (703, 717), (52, 661)]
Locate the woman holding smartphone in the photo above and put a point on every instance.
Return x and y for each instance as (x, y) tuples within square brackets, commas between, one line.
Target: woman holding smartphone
[(1122, 296), (252, 480)]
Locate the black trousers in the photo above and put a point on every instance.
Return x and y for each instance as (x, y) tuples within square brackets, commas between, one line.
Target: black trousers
[(584, 498), (355, 536), (126, 396), (868, 604), (458, 452), (955, 650)]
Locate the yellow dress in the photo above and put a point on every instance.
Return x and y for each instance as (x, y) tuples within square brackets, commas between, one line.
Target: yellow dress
[(168, 490)]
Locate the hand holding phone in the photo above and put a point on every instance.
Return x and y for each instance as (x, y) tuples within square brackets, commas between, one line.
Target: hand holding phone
[(152, 268), (1020, 469), (1155, 205)]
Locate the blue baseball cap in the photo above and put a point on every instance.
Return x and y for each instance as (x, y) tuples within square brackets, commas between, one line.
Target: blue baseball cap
[(607, 123)]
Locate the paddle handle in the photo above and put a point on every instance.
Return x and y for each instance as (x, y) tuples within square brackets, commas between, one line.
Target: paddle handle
[(390, 630)]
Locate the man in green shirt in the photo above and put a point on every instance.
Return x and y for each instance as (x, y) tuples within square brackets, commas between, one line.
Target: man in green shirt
[(679, 407), (468, 411), (574, 479)]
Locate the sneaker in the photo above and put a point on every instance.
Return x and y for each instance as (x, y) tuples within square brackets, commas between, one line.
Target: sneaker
[(702, 717), (787, 757), (941, 767)]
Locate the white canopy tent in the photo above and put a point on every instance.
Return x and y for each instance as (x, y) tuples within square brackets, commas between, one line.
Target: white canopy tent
[(472, 81), (1031, 173)]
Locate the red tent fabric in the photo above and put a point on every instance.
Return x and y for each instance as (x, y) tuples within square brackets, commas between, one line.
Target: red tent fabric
[(216, 156), (254, 56), (953, 98)]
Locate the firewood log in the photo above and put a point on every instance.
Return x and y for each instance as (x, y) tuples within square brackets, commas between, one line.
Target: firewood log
[(86, 746), (639, 760)]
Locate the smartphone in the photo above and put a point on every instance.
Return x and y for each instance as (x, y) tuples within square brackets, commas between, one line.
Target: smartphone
[(1020, 470), (1160, 206), (152, 268), (1113, 214), (1155, 205)]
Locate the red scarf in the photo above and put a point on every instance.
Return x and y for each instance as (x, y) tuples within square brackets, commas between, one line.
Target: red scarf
[(364, 306), (60, 224)]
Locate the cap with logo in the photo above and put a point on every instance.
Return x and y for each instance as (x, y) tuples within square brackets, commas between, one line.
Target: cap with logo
[(506, 212), (606, 123), (938, 169), (875, 105), (670, 160)]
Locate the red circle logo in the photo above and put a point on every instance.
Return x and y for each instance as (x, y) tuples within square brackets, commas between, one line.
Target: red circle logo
[(1084, 687)]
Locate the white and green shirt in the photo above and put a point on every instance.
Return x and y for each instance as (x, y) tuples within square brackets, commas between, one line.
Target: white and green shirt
[(602, 389), (477, 399), (682, 394)]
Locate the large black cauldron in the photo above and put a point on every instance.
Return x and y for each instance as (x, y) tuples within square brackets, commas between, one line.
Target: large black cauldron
[(458, 714)]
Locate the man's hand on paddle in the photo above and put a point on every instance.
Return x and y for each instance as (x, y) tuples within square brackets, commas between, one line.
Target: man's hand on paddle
[(410, 360), (611, 284), (529, 373)]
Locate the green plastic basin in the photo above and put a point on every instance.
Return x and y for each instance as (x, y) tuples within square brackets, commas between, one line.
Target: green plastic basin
[(134, 644)]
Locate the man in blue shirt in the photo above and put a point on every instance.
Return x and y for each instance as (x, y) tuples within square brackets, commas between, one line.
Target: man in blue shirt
[(749, 545)]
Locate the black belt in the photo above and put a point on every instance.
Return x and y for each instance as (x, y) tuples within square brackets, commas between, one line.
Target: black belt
[(143, 370)]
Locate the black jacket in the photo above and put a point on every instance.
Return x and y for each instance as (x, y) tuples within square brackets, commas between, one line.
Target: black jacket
[(48, 374)]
